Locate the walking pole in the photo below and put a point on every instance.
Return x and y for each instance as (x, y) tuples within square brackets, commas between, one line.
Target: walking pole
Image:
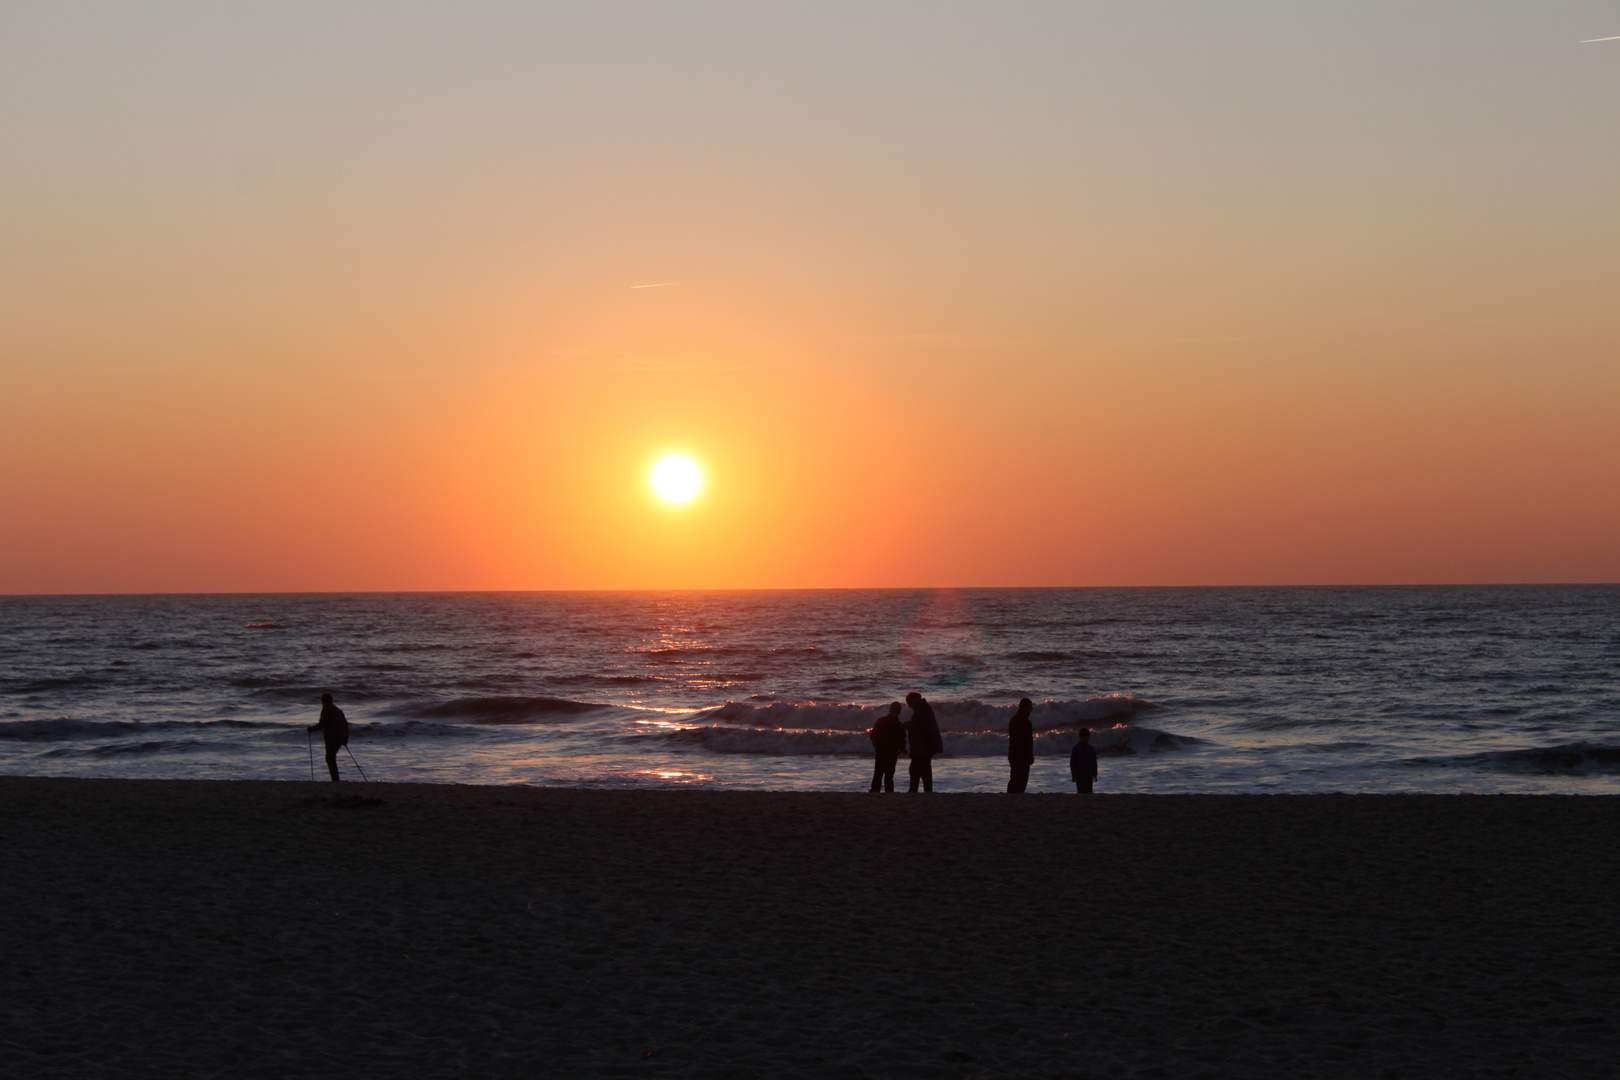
[(311, 740), (363, 775)]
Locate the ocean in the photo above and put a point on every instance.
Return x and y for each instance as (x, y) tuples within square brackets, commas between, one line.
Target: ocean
[(1441, 689)]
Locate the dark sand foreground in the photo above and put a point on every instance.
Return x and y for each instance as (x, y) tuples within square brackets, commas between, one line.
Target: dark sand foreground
[(190, 929)]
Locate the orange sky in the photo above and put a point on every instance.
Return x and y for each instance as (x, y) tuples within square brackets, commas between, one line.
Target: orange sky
[(341, 298)]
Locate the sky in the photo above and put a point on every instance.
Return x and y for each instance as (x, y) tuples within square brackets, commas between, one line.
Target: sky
[(354, 296)]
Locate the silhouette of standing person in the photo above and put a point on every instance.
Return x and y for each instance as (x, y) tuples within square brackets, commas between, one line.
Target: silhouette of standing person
[(1020, 747), (334, 729), (922, 736), (1083, 763), (888, 739)]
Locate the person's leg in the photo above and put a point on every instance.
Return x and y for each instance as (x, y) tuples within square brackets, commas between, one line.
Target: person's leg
[(889, 761), (331, 759), (1082, 786), (927, 771), (1018, 779), (877, 774), (914, 771)]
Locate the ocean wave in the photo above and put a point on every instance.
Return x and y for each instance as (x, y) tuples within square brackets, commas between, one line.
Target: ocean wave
[(45, 686), (1120, 740), (498, 710), (609, 680), (1579, 757), (69, 728), (148, 746), (272, 690), (963, 716), (412, 729), (1281, 723)]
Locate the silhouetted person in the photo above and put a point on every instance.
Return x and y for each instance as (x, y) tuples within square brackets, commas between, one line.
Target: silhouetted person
[(922, 737), (334, 729), (1020, 747), (1083, 763), (888, 739)]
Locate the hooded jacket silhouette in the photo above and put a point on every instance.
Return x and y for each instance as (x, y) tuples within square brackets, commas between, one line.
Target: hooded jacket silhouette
[(1020, 740), (922, 731)]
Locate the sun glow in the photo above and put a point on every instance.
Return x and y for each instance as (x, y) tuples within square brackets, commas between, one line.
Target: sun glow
[(677, 478)]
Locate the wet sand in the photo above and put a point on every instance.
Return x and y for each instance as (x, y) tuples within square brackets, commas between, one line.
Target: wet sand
[(198, 929)]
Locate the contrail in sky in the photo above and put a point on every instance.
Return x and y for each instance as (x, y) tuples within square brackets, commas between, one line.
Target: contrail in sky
[(659, 285), (1588, 41)]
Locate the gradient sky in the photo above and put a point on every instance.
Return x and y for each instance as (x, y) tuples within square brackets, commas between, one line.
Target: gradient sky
[(341, 296)]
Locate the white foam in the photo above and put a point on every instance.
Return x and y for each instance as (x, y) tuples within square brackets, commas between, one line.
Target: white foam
[(971, 715)]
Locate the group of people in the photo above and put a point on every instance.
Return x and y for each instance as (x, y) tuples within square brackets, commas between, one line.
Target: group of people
[(890, 738)]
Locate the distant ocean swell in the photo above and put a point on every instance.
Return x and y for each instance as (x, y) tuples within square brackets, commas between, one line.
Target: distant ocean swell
[(965, 716), (67, 728), (193, 733)]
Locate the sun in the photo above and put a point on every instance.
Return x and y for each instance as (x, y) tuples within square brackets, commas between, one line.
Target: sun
[(677, 478)]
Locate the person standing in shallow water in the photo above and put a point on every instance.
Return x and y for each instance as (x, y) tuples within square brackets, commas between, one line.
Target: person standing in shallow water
[(888, 739), (1083, 763), (922, 736), (1020, 747), (334, 729)]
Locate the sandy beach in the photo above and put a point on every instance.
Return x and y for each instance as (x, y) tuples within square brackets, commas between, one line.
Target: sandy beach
[(192, 929)]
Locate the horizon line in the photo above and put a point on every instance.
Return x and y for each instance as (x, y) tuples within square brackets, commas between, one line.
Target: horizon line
[(835, 588)]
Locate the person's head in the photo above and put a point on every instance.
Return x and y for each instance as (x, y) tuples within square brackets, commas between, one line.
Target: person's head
[(894, 708), (326, 699), (1085, 734), (1024, 706), (912, 699)]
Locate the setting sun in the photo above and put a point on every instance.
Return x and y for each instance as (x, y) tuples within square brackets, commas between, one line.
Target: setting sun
[(677, 478)]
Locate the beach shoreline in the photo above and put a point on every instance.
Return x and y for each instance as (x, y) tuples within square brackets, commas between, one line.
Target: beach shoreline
[(260, 928)]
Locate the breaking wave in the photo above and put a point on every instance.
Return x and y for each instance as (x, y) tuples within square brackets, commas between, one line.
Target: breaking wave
[(1580, 757), (498, 710), (125, 749), (958, 716)]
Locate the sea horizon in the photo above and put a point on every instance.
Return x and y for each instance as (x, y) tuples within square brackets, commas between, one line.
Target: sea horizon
[(822, 589)]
